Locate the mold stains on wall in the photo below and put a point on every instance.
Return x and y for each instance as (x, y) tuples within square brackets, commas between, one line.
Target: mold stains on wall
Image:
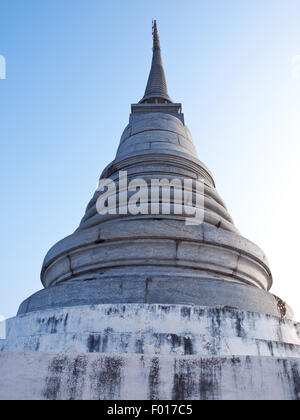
[(66, 320), (210, 379), (148, 280), (216, 321), (197, 379), (54, 322), (154, 380), (139, 346), (165, 309), (93, 343), (102, 377), (98, 343), (185, 312), (175, 342), (281, 305), (106, 378), (188, 345), (54, 378), (76, 378), (239, 319), (184, 381)]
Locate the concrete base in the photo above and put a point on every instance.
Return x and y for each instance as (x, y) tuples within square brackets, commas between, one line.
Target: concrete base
[(142, 351), (43, 376)]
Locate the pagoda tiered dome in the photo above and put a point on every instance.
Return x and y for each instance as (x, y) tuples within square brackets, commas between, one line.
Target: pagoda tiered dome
[(146, 258), (157, 258)]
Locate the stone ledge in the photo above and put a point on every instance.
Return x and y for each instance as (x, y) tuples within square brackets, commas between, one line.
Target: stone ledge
[(118, 288)]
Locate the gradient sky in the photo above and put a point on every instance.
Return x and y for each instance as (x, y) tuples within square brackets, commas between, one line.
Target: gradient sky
[(73, 69)]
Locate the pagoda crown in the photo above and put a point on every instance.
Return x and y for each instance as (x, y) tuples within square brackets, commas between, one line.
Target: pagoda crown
[(156, 90)]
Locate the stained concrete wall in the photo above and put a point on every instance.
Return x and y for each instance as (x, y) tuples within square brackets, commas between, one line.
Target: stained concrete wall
[(143, 351), (130, 377), (153, 329)]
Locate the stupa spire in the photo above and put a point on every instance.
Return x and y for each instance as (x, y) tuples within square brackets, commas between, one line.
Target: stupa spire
[(156, 43), (156, 90)]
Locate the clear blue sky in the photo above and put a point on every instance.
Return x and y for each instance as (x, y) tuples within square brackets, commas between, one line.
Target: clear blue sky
[(73, 69)]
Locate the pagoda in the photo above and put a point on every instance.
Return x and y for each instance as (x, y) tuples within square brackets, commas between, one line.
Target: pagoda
[(152, 305)]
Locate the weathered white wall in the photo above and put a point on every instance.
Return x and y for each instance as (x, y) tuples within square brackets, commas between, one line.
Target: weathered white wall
[(140, 351), (153, 329), (130, 377)]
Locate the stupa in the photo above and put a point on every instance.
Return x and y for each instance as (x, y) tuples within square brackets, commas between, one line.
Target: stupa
[(146, 305)]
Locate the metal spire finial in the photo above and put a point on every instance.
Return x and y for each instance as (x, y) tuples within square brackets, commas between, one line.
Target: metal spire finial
[(156, 43), (156, 90)]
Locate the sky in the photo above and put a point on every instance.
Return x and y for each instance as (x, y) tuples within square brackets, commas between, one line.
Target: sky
[(73, 68)]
